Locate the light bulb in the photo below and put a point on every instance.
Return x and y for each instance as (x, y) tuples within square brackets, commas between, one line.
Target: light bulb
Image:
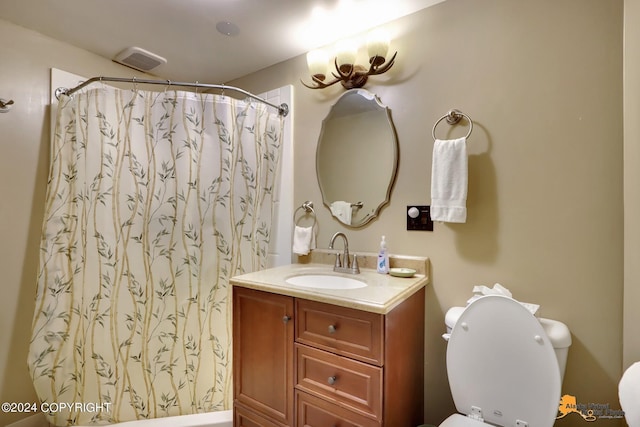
[(317, 63), (377, 46), (346, 55)]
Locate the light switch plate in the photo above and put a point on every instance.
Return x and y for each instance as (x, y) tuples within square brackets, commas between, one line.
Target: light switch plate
[(422, 222)]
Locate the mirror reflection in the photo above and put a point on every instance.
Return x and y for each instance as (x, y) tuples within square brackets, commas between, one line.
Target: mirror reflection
[(357, 157)]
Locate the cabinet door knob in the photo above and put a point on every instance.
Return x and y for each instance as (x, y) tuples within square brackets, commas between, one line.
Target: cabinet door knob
[(332, 380), (332, 329), (286, 319)]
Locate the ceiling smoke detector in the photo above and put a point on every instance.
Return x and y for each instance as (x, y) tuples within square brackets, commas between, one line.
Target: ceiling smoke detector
[(139, 59), (228, 28)]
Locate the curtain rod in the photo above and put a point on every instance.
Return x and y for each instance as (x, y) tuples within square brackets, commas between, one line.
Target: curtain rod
[(283, 109)]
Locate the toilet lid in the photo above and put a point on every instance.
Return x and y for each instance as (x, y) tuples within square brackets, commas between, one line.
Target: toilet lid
[(500, 360)]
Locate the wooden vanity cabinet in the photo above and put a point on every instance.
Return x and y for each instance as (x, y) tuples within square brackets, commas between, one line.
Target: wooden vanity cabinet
[(302, 363)]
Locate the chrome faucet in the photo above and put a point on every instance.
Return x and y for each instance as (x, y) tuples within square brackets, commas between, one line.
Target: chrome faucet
[(345, 265)]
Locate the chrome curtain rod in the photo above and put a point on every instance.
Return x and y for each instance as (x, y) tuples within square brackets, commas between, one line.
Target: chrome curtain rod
[(283, 109)]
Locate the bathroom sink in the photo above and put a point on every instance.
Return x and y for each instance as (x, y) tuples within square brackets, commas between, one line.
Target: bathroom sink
[(325, 281)]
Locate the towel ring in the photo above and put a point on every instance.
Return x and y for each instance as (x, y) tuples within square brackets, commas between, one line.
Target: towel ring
[(308, 209), (453, 117)]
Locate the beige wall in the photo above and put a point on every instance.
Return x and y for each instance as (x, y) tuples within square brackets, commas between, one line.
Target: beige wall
[(543, 83), (26, 58), (631, 348)]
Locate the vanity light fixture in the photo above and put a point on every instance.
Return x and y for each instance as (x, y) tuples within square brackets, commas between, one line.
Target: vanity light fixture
[(347, 72)]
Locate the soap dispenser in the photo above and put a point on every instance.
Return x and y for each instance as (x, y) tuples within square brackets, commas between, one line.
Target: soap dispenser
[(383, 257)]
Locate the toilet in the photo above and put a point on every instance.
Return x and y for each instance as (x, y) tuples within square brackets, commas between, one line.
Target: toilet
[(505, 366)]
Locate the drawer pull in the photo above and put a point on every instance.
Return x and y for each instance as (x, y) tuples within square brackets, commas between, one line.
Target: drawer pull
[(332, 380), (286, 319), (332, 329)]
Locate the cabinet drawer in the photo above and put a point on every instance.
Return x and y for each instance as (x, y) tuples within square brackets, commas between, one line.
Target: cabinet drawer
[(346, 331), (315, 412), (346, 382)]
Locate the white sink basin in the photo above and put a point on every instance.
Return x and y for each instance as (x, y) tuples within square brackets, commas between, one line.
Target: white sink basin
[(325, 281)]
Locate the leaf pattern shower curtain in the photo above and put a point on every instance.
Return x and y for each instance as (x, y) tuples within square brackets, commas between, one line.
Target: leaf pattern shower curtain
[(155, 199)]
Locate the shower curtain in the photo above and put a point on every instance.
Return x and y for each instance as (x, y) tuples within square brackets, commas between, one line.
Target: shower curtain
[(154, 200)]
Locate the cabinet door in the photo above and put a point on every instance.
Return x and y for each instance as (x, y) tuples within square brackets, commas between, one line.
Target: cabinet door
[(263, 353), (242, 417)]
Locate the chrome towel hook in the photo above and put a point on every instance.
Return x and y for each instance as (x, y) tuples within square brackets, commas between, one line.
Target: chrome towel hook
[(5, 105)]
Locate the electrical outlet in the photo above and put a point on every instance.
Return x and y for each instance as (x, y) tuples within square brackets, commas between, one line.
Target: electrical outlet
[(419, 218)]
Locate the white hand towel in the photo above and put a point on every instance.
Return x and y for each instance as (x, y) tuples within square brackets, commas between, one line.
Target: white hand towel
[(449, 176), (342, 211), (304, 239)]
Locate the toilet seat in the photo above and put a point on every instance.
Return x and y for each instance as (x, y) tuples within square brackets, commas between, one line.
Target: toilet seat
[(502, 367)]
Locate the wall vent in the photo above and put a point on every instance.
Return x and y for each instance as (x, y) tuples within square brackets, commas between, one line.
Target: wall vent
[(139, 59)]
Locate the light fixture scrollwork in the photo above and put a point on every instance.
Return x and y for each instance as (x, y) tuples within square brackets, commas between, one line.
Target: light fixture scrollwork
[(347, 72)]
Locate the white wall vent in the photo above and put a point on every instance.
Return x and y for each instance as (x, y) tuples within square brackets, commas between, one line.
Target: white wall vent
[(139, 59)]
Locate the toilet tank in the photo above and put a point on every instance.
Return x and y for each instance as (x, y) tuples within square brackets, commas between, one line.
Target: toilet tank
[(558, 334), (560, 338)]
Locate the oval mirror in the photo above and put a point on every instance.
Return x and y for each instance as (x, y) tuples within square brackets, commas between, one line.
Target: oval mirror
[(357, 157)]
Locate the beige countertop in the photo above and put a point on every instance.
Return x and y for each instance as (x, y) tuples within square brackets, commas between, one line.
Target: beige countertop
[(382, 293)]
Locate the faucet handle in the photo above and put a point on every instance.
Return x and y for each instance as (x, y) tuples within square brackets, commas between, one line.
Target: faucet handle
[(338, 263), (355, 268)]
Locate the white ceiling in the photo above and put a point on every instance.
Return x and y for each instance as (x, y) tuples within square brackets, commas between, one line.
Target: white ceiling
[(184, 31)]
